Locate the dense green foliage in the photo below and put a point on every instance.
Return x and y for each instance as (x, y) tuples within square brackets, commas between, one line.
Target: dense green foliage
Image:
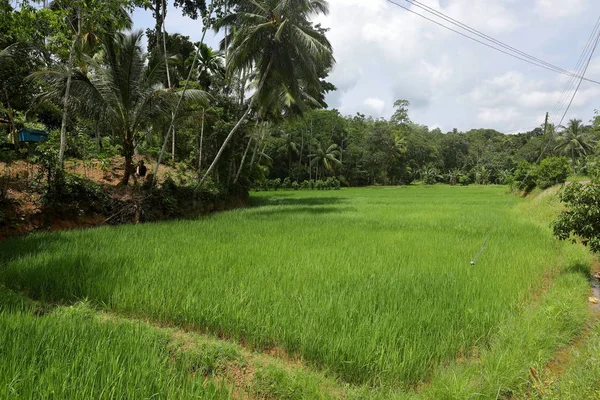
[(582, 217), (276, 133), (343, 278), (551, 171), (370, 151)]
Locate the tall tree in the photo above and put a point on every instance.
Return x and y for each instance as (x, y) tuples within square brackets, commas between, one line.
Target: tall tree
[(126, 85), (573, 141), (401, 114), (325, 160), (291, 148), (98, 17), (276, 39)]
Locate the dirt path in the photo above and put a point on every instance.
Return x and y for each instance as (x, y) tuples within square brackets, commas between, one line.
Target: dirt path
[(563, 357), (249, 373)]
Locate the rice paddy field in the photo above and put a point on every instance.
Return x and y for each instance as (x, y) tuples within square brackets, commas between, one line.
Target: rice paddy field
[(358, 293)]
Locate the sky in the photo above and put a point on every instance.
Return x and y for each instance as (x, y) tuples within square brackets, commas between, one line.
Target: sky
[(384, 53)]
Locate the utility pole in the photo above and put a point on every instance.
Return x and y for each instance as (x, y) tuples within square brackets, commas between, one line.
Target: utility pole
[(546, 124)]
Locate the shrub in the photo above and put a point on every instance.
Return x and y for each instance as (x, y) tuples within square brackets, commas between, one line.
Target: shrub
[(67, 194), (295, 185), (343, 181), (525, 177), (464, 180), (582, 217), (276, 184), (336, 184), (553, 171), (287, 183), (306, 185), (593, 170)]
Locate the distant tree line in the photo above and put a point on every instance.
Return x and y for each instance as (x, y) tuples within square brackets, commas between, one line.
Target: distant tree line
[(250, 111), (361, 150)]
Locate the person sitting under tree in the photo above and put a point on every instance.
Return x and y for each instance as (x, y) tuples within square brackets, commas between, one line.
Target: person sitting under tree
[(141, 169)]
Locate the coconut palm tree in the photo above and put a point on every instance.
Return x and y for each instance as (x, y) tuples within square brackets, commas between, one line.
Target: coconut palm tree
[(325, 160), (573, 141), (209, 61), (291, 148), (277, 40), (88, 22), (125, 85)]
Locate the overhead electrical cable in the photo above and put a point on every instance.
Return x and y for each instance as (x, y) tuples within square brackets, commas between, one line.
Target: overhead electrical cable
[(578, 68), (483, 35), (595, 39), (493, 43)]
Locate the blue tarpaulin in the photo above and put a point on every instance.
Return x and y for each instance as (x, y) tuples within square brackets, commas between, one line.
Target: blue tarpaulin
[(33, 135)]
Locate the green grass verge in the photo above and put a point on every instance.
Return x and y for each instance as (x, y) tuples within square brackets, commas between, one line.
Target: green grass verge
[(581, 378)]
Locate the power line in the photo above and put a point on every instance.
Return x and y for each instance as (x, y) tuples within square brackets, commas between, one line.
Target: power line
[(583, 74), (530, 59), (483, 35), (578, 68), (596, 39)]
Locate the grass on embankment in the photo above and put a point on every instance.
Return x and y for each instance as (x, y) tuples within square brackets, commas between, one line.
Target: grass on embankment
[(76, 352), (581, 378), (372, 285), (69, 354)]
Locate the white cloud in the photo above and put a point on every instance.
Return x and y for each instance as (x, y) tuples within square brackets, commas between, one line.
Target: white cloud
[(385, 53), (554, 9), (375, 104)]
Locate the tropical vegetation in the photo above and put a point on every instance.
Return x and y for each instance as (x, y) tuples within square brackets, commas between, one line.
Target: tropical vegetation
[(367, 258)]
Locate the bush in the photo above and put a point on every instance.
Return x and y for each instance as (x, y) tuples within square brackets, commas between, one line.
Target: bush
[(287, 183), (275, 184), (593, 170), (336, 184), (306, 185), (553, 171), (525, 177), (464, 180), (68, 193), (582, 218), (295, 185)]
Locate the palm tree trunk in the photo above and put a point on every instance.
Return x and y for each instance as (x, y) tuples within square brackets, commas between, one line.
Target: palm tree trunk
[(239, 123), (301, 149), (163, 33), (128, 148), (185, 87), (290, 163), (258, 141), (201, 139), (237, 176), (164, 43), (63, 127)]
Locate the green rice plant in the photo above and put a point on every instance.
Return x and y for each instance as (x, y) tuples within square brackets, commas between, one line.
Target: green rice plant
[(372, 285), (525, 343), (69, 354)]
